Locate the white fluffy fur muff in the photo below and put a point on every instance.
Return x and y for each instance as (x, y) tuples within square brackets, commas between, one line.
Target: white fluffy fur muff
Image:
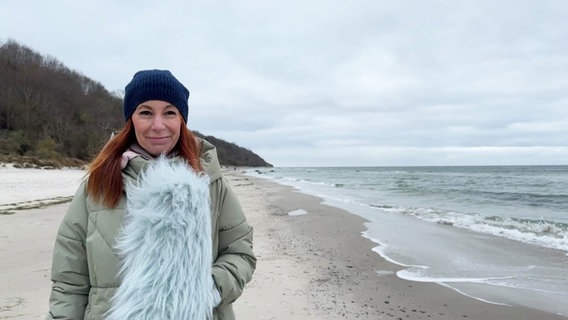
[(165, 246)]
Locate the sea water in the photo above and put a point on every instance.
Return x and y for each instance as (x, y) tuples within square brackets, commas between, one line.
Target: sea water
[(495, 233)]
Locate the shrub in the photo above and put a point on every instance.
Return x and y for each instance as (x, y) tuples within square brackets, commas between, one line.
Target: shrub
[(47, 148)]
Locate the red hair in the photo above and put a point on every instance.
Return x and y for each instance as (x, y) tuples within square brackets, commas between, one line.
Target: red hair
[(105, 173)]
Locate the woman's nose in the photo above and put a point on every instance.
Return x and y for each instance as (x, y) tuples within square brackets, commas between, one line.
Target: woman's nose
[(157, 123)]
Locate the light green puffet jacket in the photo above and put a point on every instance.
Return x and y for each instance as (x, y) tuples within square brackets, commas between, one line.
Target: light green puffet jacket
[(85, 266)]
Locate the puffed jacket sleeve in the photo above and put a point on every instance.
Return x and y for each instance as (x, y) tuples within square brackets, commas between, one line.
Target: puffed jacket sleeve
[(69, 271), (235, 261)]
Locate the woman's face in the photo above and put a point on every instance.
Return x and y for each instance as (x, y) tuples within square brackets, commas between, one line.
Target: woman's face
[(157, 125)]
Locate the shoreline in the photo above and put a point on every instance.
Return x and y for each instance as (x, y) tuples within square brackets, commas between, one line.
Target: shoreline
[(346, 277)]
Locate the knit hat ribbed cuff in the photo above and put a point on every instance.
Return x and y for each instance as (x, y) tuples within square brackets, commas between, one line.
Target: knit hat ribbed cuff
[(155, 85)]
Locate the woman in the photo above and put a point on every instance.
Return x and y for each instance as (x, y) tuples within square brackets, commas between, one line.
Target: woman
[(154, 232)]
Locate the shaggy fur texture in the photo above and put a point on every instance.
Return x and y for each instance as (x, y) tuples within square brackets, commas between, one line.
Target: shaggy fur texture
[(165, 247)]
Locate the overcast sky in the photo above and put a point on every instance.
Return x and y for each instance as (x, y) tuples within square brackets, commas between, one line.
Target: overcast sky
[(334, 83)]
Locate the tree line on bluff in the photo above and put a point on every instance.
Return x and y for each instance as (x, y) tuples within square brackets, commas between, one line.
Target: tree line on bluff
[(49, 111)]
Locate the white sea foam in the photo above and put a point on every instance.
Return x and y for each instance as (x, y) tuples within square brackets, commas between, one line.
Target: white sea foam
[(416, 273), (542, 233), (297, 212)]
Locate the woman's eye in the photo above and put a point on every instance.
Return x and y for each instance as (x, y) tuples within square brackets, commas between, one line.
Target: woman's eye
[(171, 113), (145, 113)]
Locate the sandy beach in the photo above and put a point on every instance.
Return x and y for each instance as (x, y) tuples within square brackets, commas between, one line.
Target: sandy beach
[(312, 264)]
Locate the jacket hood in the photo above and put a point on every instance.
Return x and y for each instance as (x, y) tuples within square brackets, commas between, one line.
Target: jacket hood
[(209, 159)]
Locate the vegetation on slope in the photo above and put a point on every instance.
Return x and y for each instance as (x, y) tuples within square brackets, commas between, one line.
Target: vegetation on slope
[(51, 113)]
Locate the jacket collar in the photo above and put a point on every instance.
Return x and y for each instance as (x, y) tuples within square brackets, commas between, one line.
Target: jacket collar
[(208, 157)]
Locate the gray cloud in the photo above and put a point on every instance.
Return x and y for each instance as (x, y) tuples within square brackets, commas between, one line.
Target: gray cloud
[(336, 82)]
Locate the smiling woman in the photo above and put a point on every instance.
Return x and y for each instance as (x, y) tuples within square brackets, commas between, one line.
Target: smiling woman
[(155, 232)]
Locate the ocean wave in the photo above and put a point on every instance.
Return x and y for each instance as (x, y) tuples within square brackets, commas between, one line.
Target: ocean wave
[(548, 234), (309, 182), (549, 199)]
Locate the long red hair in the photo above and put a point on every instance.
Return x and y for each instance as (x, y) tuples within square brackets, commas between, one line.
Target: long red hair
[(105, 173)]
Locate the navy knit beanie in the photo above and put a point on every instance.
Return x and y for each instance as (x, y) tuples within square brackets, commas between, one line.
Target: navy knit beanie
[(155, 85)]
